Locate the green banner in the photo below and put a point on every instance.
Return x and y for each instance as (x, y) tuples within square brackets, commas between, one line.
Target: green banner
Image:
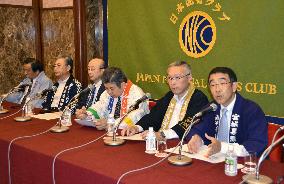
[(246, 35)]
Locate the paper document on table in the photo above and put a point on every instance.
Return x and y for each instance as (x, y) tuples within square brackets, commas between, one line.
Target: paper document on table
[(135, 137), (48, 116), (216, 158), (85, 122)]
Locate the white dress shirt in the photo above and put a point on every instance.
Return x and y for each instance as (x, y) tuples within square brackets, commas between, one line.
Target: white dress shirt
[(59, 92), (238, 149), (169, 133)]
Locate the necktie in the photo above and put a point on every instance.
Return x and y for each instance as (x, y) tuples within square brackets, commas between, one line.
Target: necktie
[(26, 95), (117, 109), (223, 130), (91, 97)]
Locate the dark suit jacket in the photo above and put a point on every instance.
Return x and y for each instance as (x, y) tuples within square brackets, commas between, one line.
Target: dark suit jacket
[(251, 125), (155, 117), (83, 98)]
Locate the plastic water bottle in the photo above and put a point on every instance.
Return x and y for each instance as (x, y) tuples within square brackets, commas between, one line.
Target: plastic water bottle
[(151, 142), (110, 125), (29, 107), (231, 162), (66, 117)]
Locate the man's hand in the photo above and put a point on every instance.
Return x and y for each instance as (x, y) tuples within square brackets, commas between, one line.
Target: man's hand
[(101, 124), (159, 136), (81, 113), (214, 147), (144, 134), (194, 144), (129, 130)]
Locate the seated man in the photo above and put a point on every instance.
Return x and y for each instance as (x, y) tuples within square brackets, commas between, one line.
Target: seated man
[(120, 94), (95, 71), (66, 86), (179, 104), (39, 81), (236, 120)]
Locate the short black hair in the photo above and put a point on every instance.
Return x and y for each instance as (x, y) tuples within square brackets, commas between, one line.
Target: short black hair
[(114, 75), (35, 64), (69, 62), (225, 70)]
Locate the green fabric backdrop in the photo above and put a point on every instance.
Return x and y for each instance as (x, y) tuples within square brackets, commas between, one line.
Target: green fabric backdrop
[(143, 41)]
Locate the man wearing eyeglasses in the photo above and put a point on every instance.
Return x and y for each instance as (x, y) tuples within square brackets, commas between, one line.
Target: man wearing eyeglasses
[(236, 121), (96, 68), (182, 102)]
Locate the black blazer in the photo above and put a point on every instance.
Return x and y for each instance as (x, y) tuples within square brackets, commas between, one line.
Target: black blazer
[(155, 117), (83, 98)]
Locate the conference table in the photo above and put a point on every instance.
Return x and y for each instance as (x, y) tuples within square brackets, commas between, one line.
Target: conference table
[(31, 158)]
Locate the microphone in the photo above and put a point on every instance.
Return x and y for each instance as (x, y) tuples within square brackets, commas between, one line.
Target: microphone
[(44, 92), (181, 159), (257, 178), (117, 141), (211, 107), (90, 87), (13, 90), (140, 100), (22, 86), (66, 113)]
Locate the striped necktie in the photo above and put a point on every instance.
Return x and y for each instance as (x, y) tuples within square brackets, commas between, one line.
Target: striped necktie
[(117, 109), (91, 97), (223, 130)]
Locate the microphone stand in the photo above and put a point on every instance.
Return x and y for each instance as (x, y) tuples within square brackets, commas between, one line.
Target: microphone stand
[(180, 159), (257, 178), (117, 141), (2, 110), (58, 128), (24, 116)]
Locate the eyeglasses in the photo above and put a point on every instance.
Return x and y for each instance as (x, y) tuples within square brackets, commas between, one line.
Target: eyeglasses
[(94, 69), (221, 84), (176, 78)]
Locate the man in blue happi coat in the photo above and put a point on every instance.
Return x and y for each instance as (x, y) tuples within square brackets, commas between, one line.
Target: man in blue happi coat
[(237, 121)]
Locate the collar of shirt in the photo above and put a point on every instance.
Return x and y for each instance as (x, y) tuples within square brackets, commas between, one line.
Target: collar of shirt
[(180, 100), (98, 84), (63, 81), (37, 77), (230, 106), (229, 110)]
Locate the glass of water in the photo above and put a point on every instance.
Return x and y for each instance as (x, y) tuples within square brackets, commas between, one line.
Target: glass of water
[(161, 147), (250, 162)]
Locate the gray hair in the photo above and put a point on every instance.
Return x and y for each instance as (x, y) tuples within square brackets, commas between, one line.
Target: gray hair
[(181, 63), (114, 75)]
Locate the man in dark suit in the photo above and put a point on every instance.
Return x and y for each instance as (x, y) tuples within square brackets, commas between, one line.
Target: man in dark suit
[(237, 121), (169, 115), (96, 68)]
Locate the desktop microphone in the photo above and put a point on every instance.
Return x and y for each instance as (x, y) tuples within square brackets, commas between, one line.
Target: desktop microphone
[(89, 87), (22, 86), (13, 90), (59, 128), (181, 159), (257, 178), (44, 92), (211, 107), (140, 100), (117, 141)]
